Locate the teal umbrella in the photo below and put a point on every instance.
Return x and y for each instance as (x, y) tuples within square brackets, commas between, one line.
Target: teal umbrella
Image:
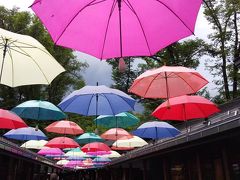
[(88, 138), (122, 120), (39, 110)]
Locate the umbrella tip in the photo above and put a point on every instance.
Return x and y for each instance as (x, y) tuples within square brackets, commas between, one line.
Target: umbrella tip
[(121, 65), (36, 128), (96, 131)]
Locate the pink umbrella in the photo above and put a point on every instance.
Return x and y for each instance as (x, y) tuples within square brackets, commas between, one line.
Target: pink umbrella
[(116, 133), (62, 142), (95, 146), (99, 153), (167, 82), (73, 164), (117, 28), (50, 151)]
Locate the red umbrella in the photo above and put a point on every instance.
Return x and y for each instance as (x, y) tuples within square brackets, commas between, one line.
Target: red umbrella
[(184, 108), (122, 148), (65, 127), (167, 82), (116, 133), (95, 146), (62, 142), (9, 120)]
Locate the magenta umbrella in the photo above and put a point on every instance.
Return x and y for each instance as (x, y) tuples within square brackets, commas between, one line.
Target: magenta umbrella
[(117, 28)]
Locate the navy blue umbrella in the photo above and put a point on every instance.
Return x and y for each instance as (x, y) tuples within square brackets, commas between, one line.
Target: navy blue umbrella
[(156, 130)]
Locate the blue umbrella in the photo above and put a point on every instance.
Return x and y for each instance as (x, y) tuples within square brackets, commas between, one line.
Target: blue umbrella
[(75, 158), (101, 160), (156, 130), (97, 100), (28, 133), (88, 138), (39, 110)]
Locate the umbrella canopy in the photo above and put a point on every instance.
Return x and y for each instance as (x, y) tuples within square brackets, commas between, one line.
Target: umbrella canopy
[(101, 160), (39, 110), (124, 28), (88, 138), (116, 133), (62, 142), (156, 130), (25, 61), (131, 143), (64, 127), (122, 148), (113, 154), (185, 108), (9, 120), (34, 144), (75, 158), (62, 162), (167, 82), (95, 146), (97, 100), (50, 151), (79, 154), (122, 120), (27, 133), (98, 153), (74, 163)]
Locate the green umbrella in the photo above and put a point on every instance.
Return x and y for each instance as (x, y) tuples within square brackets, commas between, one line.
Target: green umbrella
[(122, 120), (88, 138)]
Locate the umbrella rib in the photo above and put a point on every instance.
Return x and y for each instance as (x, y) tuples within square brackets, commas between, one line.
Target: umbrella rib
[(178, 74), (109, 104), (19, 52), (151, 84), (175, 15), (109, 17), (71, 20), (10, 55), (90, 103), (144, 34)]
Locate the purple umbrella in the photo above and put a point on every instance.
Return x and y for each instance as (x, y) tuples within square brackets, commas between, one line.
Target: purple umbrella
[(117, 28)]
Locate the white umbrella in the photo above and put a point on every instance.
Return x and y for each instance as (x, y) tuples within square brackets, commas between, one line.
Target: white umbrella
[(62, 162), (34, 144), (114, 154), (25, 61), (130, 143)]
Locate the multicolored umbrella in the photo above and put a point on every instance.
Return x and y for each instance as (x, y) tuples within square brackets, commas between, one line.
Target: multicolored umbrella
[(50, 151), (34, 144), (39, 110), (156, 130), (95, 146), (124, 28), (116, 133), (25, 61), (88, 138), (9, 120), (167, 82), (185, 108), (64, 127), (27, 133), (122, 120), (97, 100), (62, 142), (130, 143)]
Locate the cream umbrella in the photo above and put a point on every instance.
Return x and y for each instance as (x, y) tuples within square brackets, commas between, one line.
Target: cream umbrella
[(25, 61), (34, 144), (130, 143), (62, 162), (114, 154)]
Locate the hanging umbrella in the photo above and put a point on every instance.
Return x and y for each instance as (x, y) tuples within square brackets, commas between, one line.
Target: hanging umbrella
[(50, 151), (62, 162), (74, 164), (116, 133), (185, 108), (80, 154), (64, 127), (26, 133), (101, 160), (116, 148), (95, 146), (39, 110), (130, 143), (122, 120), (113, 154), (167, 82), (156, 130), (34, 144), (97, 100), (98, 153), (9, 120), (88, 138), (124, 28), (62, 142), (76, 158), (25, 61)]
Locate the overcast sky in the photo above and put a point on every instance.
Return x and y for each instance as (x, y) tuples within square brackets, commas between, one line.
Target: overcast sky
[(100, 71)]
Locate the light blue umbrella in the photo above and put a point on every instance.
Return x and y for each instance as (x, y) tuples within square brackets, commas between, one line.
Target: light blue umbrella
[(122, 120), (39, 110), (88, 138), (156, 130), (101, 160), (28, 133), (97, 100), (75, 158)]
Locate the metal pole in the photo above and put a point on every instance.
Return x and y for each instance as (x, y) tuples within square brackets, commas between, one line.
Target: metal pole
[(4, 55)]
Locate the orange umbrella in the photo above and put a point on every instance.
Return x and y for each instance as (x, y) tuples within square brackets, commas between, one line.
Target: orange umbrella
[(116, 133), (62, 142), (65, 127)]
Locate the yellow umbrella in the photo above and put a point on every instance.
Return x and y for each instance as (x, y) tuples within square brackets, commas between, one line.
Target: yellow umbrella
[(34, 144), (130, 143), (25, 61)]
